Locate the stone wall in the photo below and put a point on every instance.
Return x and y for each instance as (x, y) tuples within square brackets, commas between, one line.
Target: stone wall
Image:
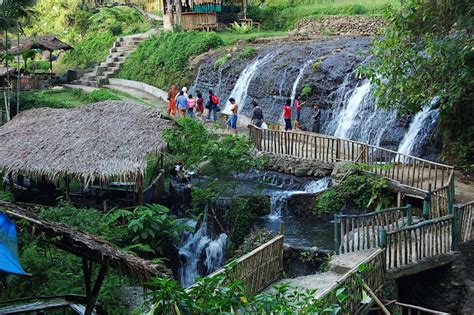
[(303, 261), (296, 166)]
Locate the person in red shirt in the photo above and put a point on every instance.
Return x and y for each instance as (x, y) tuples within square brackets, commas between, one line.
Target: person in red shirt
[(287, 114), (200, 103)]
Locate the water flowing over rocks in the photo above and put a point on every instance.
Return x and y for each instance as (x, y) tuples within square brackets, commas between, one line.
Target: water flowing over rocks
[(280, 69)]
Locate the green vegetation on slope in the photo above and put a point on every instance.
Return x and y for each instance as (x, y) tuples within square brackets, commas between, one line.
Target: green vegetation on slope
[(163, 60), (284, 14), (427, 52)]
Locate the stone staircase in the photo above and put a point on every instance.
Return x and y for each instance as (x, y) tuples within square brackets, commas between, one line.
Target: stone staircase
[(122, 47)]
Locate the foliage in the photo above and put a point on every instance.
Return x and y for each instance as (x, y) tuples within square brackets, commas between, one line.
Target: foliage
[(247, 53), (190, 141), (241, 28), (6, 196), (119, 20), (93, 48), (307, 90), (221, 61), (219, 295), (360, 190), (426, 52), (329, 202), (317, 64), (14, 14), (284, 14), (64, 98), (152, 230), (253, 240), (163, 60), (229, 37)]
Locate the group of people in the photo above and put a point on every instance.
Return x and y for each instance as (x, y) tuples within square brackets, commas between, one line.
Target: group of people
[(298, 106), (186, 105)]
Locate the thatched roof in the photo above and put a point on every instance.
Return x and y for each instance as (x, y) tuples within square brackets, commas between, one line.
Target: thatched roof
[(49, 43), (105, 140), (87, 246)]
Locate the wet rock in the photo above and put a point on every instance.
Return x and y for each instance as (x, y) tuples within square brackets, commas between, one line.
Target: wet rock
[(297, 166), (302, 261)]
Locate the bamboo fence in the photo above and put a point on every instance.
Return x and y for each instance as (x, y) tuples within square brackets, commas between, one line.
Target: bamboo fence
[(409, 171), (464, 219)]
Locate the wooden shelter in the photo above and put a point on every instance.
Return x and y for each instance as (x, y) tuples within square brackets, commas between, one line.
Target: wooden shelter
[(95, 145), (92, 250)]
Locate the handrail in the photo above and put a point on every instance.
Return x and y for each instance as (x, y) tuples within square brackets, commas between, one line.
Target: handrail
[(259, 268), (413, 244), (464, 218), (409, 308), (410, 171), (360, 232), (373, 276)]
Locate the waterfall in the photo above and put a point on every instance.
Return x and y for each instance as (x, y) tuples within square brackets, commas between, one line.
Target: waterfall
[(298, 79), (279, 198), (192, 90), (354, 105), (239, 93), (200, 255), (422, 124)]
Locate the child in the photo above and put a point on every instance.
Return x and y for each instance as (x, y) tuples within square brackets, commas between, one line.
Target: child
[(191, 105)]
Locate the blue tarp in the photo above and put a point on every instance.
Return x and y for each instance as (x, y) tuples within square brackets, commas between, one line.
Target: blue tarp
[(8, 247)]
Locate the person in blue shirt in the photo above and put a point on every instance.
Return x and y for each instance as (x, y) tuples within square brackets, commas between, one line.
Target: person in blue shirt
[(182, 102)]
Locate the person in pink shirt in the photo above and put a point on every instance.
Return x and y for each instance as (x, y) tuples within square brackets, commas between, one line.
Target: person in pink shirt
[(191, 106), (287, 114), (298, 105)]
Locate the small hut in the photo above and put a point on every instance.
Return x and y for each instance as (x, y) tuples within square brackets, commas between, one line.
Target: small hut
[(94, 154)]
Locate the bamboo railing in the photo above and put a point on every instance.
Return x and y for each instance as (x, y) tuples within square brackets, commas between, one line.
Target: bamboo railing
[(415, 243), (464, 216), (361, 232), (407, 309), (373, 276), (439, 203), (259, 268), (407, 170)]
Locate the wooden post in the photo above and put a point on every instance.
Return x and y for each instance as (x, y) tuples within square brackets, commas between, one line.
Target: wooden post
[(383, 238), (337, 233), (67, 181), (92, 297), (140, 199), (399, 199), (409, 216), (282, 228), (450, 196), (427, 203), (454, 228)]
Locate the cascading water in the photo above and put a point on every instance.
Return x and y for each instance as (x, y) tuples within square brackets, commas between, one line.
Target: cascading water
[(423, 123), (200, 255), (353, 107), (239, 93), (279, 198), (298, 79)]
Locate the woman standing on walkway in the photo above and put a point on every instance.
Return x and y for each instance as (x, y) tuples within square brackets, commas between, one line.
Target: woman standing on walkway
[(287, 114), (298, 106), (172, 93), (232, 121), (200, 103), (182, 102), (257, 115), (191, 106)]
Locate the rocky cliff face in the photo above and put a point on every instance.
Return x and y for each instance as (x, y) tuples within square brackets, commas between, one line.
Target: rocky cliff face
[(325, 69)]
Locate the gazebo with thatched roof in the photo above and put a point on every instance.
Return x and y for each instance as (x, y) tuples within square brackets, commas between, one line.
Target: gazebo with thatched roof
[(96, 145)]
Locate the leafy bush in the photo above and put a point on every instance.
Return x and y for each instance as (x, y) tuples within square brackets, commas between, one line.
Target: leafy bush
[(221, 61), (102, 95), (253, 240), (6, 196), (329, 202), (241, 28), (307, 90), (163, 60), (92, 49), (120, 20), (247, 53)]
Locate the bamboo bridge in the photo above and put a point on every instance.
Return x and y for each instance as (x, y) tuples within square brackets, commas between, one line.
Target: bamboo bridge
[(391, 243)]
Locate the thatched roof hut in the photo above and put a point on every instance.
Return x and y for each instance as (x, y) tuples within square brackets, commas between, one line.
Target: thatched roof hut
[(106, 140), (46, 42)]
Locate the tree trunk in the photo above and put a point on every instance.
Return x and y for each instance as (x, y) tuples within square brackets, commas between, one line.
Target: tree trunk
[(179, 12), (18, 81), (169, 11)]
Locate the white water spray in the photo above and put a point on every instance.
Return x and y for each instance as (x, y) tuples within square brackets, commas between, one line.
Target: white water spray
[(239, 93)]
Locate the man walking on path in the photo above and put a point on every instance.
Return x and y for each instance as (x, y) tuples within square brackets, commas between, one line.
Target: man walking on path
[(232, 121), (287, 114), (172, 93), (212, 105)]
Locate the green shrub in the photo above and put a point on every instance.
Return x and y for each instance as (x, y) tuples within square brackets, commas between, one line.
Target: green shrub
[(247, 53), (6, 196), (163, 60), (307, 90), (221, 61), (119, 20), (329, 202), (241, 28), (90, 50), (367, 191), (102, 95)]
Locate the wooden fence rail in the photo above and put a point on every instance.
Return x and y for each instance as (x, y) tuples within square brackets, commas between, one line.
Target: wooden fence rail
[(259, 268), (464, 216), (373, 275), (415, 243), (439, 203), (360, 232), (407, 309), (407, 170)]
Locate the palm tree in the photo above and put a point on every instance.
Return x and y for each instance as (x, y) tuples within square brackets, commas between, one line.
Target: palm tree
[(14, 14)]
